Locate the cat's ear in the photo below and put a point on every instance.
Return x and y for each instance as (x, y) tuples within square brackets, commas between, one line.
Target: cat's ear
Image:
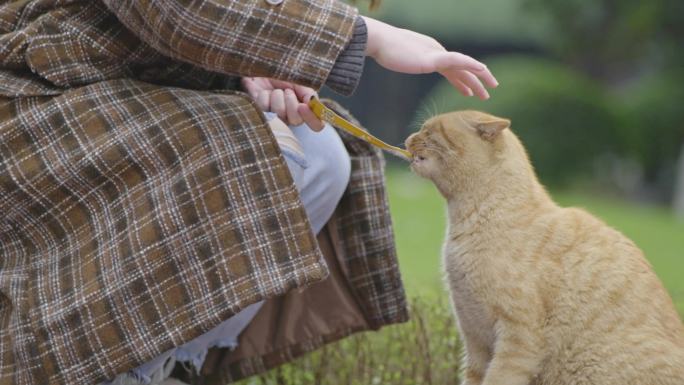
[(490, 127)]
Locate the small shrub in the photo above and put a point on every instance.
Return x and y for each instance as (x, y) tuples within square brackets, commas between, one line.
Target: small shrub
[(655, 125), (426, 350)]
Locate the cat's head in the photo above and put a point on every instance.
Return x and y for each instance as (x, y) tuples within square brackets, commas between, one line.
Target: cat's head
[(459, 149)]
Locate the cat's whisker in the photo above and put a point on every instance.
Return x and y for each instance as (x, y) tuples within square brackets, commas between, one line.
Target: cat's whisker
[(427, 110)]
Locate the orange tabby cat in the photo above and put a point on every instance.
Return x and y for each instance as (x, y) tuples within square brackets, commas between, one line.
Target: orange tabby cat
[(543, 295)]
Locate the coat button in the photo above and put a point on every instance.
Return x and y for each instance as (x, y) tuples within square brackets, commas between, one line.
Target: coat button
[(274, 2)]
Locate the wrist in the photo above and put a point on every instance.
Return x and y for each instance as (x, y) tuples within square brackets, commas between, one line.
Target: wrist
[(346, 72), (374, 28)]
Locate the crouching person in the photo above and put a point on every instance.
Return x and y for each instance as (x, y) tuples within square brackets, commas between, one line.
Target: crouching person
[(168, 204)]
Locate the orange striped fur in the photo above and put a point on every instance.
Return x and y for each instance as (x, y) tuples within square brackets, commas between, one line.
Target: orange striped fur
[(543, 295)]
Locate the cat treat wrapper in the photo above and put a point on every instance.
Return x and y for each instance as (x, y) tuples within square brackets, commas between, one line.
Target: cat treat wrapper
[(327, 115)]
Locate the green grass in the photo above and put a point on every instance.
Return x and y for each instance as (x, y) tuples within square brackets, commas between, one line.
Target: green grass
[(419, 220)]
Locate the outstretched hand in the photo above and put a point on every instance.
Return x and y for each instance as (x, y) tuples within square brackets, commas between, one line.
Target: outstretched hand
[(396, 49), (402, 50), (288, 100)]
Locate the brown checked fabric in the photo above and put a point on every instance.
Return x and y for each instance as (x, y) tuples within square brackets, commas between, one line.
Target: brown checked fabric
[(360, 232), (77, 42), (297, 40), (365, 233), (128, 229), (143, 202)]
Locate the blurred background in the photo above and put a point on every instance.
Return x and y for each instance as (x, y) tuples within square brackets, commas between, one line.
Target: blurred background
[(595, 89)]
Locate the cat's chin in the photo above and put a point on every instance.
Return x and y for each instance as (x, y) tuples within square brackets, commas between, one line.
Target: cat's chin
[(419, 167)]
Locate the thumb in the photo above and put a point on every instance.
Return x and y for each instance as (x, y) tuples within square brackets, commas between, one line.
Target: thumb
[(251, 87)]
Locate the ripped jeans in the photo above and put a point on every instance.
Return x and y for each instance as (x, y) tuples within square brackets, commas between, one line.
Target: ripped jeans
[(320, 167)]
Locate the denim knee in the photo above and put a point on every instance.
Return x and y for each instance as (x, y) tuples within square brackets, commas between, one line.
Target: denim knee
[(323, 181), (335, 169)]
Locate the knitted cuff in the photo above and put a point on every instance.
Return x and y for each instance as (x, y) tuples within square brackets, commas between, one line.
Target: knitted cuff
[(346, 73)]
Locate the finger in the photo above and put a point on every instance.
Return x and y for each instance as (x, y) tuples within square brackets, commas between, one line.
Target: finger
[(278, 104), (460, 86), (446, 60), (304, 93), (281, 84), (487, 77), (309, 118), (264, 84), (474, 84), (263, 100), (291, 104)]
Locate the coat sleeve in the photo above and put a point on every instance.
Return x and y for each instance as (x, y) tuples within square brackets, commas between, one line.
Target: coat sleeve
[(295, 40)]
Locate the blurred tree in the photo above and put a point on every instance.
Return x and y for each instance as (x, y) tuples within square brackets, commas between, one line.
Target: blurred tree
[(466, 21), (635, 47), (679, 188), (614, 39), (562, 116), (653, 126)]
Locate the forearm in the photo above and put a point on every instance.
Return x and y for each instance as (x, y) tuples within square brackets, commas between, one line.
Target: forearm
[(297, 41), (406, 51)]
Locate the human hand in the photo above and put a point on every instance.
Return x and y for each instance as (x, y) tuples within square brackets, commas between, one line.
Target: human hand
[(402, 50), (289, 101)]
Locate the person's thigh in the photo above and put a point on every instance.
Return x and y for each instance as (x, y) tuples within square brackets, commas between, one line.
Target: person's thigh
[(324, 174)]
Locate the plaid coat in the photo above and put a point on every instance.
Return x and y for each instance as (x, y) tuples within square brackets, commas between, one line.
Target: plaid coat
[(143, 199)]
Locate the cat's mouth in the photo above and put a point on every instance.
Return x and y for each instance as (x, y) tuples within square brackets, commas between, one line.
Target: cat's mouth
[(417, 163), (415, 147)]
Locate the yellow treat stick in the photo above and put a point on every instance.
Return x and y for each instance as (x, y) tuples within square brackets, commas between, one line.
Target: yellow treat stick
[(327, 115)]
